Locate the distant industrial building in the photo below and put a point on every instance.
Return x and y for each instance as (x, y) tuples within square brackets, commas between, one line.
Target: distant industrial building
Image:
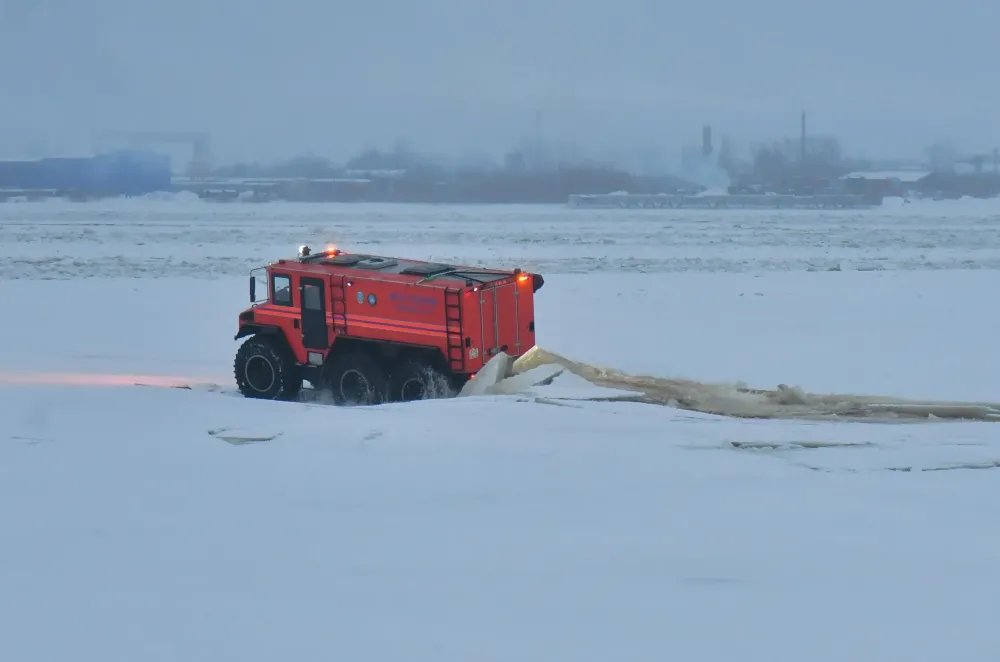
[(905, 183), (883, 182), (122, 173)]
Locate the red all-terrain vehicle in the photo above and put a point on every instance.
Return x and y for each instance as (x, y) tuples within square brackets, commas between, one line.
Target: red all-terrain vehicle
[(376, 329)]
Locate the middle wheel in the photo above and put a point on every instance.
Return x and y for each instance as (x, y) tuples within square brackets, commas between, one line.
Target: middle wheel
[(356, 379)]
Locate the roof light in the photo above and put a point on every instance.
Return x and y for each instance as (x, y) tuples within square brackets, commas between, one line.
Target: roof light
[(304, 250), (332, 250)]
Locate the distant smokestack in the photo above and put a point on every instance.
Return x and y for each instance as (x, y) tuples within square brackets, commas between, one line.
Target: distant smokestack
[(802, 139), (706, 140)]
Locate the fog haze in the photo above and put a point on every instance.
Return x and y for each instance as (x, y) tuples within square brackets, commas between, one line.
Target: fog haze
[(271, 80)]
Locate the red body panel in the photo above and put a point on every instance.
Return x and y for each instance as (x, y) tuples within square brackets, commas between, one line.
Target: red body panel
[(469, 315)]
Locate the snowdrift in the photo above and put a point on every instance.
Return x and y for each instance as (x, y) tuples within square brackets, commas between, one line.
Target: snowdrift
[(538, 367)]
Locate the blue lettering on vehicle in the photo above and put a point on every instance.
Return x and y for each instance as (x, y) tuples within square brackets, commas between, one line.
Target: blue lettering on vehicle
[(412, 303)]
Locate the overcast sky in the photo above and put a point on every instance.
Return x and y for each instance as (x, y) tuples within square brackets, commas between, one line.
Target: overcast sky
[(271, 79)]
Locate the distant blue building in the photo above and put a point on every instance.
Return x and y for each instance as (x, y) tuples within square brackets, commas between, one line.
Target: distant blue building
[(131, 172), (111, 174)]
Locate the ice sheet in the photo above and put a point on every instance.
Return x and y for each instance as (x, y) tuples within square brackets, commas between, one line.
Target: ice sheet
[(155, 523), (496, 531), (169, 239)]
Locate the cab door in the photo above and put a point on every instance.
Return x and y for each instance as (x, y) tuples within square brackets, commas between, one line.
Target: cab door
[(315, 333)]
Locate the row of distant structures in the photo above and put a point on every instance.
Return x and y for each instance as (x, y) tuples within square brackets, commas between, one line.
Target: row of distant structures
[(855, 190), (137, 173), (793, 173), (131, 174), (136, 170), (810, 170)]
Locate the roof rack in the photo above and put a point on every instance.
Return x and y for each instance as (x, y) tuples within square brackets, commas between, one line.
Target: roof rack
[(372, 262), (426, 269)]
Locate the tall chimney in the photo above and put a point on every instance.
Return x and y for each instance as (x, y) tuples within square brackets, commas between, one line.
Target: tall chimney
[(802, 139), (706, 140)]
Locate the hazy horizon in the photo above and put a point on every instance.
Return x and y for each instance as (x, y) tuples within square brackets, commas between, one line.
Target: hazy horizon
[(453, 76)]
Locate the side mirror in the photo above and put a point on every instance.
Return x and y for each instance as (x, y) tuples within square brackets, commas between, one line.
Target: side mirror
[(253, 289)]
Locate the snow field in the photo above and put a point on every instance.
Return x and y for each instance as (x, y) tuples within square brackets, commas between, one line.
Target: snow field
[(142, 522), (546, 532)]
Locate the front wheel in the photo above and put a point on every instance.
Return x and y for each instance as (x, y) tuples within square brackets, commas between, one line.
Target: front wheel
[(265, 371)]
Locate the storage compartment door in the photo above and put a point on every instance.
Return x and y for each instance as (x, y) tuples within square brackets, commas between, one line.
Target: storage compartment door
[(506, 317), (488, 324)]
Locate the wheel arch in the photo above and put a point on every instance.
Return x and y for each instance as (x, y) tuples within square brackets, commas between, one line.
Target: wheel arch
[(265, 330)]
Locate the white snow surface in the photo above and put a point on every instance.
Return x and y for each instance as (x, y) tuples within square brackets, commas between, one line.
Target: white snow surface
[(163, 524)]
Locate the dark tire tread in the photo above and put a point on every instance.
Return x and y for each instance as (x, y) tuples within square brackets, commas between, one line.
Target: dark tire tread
[(363, 364), (288, 381)]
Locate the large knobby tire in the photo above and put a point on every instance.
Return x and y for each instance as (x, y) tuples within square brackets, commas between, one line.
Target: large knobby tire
[(354, 378), (416, 380), (265, 370)]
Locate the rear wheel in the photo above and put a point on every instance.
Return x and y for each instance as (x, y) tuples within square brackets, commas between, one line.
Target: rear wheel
[(265, 370), (356, 379), (415, 380)]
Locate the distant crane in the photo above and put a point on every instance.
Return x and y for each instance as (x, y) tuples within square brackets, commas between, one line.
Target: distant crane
[(201, 159)]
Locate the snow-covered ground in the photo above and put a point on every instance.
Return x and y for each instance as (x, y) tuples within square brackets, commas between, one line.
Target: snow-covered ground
[(144, 523)]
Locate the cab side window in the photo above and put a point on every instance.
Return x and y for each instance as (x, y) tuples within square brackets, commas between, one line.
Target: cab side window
[(281, 290)]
